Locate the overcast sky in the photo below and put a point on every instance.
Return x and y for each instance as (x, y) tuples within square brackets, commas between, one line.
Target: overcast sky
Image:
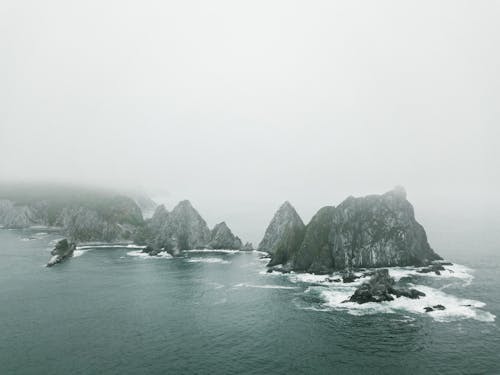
[(241, 105)]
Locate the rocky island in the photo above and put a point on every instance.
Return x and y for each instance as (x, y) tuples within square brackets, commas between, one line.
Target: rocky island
[(90, 215), (61, 251), (368, 232), (184, 229)]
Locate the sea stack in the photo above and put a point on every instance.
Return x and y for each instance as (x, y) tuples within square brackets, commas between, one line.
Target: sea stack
[(183, 229), (61, 251), (372, 231), (283, 236)]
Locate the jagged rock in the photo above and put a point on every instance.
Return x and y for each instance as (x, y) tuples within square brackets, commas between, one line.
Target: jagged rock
[(373, 231), (283, 235), (223, 238), (61, 251), (381, 288), (349, 277), (435, 267), (184, 229), (314, 252), (247, 247), (434, 308)]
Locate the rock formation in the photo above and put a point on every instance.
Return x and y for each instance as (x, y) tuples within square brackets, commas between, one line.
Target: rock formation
[(373, 231), (381, 288), (283, 236), (61, 251), (183, 229), (223, 238)]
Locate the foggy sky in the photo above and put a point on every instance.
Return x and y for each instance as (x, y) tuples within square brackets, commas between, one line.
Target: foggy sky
[(239, 106)]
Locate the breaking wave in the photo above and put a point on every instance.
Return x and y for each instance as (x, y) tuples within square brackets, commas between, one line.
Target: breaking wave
[(331, 294), (140, 254), (208, 260)]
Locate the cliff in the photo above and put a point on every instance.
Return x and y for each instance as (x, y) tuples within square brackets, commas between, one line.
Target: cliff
[(183, 229), (284, 235), (372, 231)]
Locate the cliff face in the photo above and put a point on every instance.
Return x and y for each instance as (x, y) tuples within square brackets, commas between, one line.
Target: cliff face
[(184, 229), (373, 231), (82, 215), (284, 235), (378, 231)]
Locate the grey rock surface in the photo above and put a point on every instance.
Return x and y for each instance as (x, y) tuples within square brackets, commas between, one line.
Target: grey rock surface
[(284, 235)]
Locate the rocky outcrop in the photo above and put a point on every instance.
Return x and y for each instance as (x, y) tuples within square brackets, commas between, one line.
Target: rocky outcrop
[(183, 229), (381, 288), (81, 215), (314, 252), (283, 236), (373, 231), (247, 247), (223, 238), (61, 251)]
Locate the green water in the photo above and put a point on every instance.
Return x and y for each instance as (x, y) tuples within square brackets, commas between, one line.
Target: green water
[(107, 312)]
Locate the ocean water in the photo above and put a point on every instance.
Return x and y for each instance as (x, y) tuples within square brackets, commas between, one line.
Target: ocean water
[(112, 310)]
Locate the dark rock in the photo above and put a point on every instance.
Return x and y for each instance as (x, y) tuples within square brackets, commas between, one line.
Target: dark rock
[(283, 236), (369, 232), (434, 308), (62, 250), (349, 277), (435, 267), (331, 280), (405, 292), (380, 288)]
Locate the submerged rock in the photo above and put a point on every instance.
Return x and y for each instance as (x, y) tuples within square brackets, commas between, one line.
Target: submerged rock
[(381, 288), (283, 236), (61, 251)]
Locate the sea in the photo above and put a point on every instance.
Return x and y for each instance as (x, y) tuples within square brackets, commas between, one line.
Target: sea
[(113, 310)]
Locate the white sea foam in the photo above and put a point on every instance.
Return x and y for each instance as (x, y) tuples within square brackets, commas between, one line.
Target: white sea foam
[(108, 246), (223, 251), (140, 254), (78, 253), (335, 293), (455, 308), (208, 260), (455, 271), (245, 285)]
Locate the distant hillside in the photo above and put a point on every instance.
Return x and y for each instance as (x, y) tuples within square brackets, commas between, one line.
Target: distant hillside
[(84, 214)]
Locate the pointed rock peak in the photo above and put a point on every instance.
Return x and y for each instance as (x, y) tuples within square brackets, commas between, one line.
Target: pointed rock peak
[(160, 211), (221, 225), (185, 203)]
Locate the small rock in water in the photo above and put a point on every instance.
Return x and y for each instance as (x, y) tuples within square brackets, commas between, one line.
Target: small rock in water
[(381, 288), (434, 308)]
